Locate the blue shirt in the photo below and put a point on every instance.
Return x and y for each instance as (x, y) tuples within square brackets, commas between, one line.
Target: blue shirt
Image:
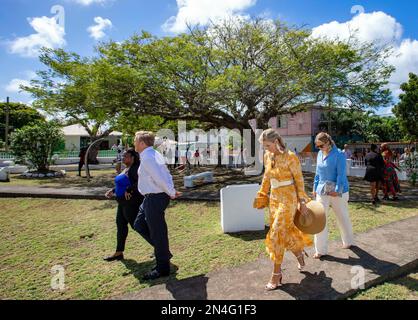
[(331, 168), (122, 182)]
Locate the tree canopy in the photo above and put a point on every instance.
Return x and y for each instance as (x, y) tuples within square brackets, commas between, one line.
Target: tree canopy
[(407, 109), (221, 76), (20, 115)]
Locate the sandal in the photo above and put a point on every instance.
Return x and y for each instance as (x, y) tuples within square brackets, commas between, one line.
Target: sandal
[(317, 256), (271, 286), (301, 260)]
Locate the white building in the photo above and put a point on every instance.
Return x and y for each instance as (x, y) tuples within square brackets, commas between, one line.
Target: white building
[(76, 137)]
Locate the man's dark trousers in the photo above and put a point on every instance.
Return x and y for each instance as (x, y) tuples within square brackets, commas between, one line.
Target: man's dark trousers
[(150, 224)]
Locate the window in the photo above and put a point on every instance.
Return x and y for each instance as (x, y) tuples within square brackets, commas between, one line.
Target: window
[(282, 122)]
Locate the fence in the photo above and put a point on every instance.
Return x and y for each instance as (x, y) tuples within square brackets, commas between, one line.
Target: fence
[(355, 168), (6, 156), (75, 154), (65, 157)]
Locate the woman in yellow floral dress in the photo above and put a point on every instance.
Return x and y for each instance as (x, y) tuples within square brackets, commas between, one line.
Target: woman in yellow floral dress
[(282, 190)]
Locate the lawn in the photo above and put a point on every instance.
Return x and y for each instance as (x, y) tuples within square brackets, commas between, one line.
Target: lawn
[(36, 234), (405, 288)]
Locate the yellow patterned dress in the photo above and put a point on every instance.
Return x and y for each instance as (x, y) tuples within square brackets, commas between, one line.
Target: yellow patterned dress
[(282, 202)]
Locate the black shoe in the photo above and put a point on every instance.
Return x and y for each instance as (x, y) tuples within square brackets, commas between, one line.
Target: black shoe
[(155, 274), (114, 258), (377, 199), (395, 199), (385, 198)]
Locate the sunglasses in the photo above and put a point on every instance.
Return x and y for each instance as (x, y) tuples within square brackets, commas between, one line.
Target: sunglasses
[(320, 146)]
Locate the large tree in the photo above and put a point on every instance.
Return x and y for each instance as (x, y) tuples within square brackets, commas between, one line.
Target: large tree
[(231, 73), (407, 109), (71, 87)]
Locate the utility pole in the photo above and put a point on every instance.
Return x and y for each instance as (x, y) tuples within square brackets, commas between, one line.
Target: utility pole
[(6, 130)]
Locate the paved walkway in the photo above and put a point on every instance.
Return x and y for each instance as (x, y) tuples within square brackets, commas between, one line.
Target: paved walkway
[(92, 193), (384, 253), (97, 193)]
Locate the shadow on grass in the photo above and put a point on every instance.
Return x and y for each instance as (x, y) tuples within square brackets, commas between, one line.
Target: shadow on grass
[(250, 235), (408, 282), (404, 204)]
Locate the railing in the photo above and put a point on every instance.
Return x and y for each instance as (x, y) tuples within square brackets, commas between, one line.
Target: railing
[(358, 162), (6, 156), (75, 154)]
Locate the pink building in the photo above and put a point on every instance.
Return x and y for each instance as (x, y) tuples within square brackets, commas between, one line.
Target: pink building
[(299, 129)]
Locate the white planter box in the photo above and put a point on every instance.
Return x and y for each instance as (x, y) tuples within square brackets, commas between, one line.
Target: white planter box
[(237, 212)]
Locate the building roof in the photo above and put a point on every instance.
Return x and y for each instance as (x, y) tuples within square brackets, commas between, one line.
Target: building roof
[(79, 130)]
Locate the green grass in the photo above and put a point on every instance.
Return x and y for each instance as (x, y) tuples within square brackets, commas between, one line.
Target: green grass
[(405, 288), (36, 234)]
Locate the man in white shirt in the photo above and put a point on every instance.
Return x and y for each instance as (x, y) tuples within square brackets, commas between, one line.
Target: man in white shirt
[(156, 184)]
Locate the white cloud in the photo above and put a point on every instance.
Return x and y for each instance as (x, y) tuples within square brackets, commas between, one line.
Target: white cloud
[(369, 27), (201, 12), (97, 31), (383, 28), (48, 34), (14, 85)]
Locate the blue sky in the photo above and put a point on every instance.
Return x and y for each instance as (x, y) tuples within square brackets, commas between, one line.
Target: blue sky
[(388, 20)]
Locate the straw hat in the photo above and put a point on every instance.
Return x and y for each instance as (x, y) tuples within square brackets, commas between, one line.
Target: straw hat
[(314, 221)]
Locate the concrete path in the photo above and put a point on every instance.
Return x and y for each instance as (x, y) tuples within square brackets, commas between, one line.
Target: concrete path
[(381, 254), (55, 193), (97, 193)]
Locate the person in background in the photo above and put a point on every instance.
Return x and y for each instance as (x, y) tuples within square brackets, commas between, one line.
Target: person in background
[(347, 152), (196, 158), (390, 181), (129, 199), (405, 155), (81, 161), (331, 188), (374, 171), (156, 184)]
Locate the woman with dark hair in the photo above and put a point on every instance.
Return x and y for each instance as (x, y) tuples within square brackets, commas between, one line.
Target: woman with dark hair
[(390, 178), (129, 199), (374, 171)]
